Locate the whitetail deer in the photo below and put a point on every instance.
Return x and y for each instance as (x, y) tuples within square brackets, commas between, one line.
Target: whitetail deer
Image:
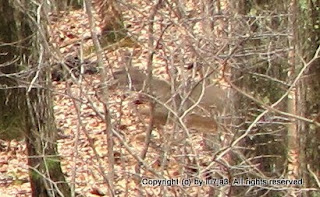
[(206, 101)]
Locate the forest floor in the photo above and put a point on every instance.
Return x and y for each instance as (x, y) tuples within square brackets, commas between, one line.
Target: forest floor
[(83, 143)]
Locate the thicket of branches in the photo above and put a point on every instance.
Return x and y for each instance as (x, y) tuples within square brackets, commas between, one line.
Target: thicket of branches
[(256, 61)]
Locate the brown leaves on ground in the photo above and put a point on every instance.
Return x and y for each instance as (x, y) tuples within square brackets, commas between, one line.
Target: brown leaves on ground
[(77, 109)]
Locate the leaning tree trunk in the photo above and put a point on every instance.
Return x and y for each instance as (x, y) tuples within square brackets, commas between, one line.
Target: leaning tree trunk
[(63, 5), (113, 29), (32, 94)]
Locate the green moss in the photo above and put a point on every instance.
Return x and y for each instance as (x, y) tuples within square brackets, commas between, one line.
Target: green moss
[(34, 175), (52, 162)]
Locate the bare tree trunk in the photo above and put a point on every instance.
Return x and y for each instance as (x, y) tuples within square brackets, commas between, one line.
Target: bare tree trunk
[(63, 5), (35, 104), (113, 28), (46, 175), (310, 138), (11, 117), (293, 135)]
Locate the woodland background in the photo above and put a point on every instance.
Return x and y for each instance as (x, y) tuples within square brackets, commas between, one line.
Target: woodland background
[(95, 96)]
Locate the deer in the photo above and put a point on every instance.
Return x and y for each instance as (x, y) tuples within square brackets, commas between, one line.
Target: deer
[(199, 105)]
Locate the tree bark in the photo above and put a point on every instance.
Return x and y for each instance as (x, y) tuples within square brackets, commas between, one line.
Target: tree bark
[(293, 106), (32, 95), (113, 29)]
